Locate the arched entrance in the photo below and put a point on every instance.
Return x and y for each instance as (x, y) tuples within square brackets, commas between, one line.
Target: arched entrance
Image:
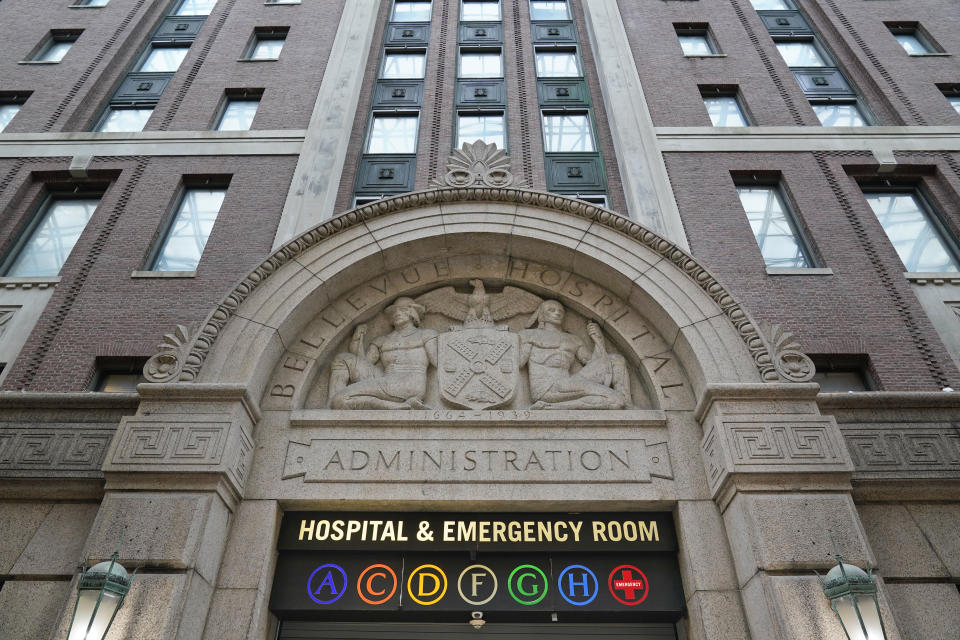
[(461, 352)]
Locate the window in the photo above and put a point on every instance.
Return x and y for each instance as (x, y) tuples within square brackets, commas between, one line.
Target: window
[(163, 59), (238, 112), (773, 227), (7, 111), (266, 44), (569, 132), (359, 201), (952, 93), (839, 114), (724, 111), (771, 5), (801, 53), (479, 10), (695, 40), (403, 65), (10, 103), (912, 38), (195, 8), (913, 231), (91, 3), (189, 230), (412, 11), (49, 242), (598, 199), (488, 127), (128, 119), (393, 134), (479, 64), (540, 10), (557, 64), (56, 46), (118, 375), (841, 373)]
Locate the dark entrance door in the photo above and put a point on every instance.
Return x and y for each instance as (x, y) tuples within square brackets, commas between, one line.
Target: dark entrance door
[(297, 630)]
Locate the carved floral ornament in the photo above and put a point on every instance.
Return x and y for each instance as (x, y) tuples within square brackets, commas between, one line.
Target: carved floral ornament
[(471, 173)]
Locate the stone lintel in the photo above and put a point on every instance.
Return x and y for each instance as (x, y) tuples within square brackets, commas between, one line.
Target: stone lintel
[(28, 488)]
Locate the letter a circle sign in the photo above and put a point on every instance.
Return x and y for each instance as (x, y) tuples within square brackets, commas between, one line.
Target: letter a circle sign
[(628, 585)]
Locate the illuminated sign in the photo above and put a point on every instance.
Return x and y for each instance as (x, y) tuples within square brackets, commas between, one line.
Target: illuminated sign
[(399, 564)]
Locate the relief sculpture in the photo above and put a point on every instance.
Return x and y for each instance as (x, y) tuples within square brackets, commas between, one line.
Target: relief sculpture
[(478, 363)]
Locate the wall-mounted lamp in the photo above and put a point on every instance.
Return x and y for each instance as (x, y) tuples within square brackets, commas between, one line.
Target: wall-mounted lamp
[(853, 597), (100, 593)]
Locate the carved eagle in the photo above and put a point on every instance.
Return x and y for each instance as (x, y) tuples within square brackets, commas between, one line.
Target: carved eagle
[(479, 309)]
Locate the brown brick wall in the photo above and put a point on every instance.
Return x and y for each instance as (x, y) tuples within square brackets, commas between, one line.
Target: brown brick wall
[(98, 309), (70, 96), (897, 88), (867, 306)]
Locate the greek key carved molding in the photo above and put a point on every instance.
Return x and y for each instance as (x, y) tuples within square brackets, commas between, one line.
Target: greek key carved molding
[(185, 366), (175, 443), (917, 448), (53, 449), (772, 443)]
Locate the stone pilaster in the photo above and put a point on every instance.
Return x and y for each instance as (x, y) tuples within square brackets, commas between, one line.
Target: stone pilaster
[(780, 472), (175, 474), (645, 182), (313, 191)]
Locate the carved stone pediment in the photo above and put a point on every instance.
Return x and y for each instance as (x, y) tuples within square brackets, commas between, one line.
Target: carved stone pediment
[(529, 362)]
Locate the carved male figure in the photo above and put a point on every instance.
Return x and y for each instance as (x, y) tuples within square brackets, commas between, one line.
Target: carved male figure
[(392, 372), (550, 353)]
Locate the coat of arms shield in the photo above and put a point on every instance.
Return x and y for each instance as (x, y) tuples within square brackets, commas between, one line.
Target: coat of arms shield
[(478, 367)]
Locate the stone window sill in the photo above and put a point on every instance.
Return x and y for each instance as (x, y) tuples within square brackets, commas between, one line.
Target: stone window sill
[(257, 59), (163, 274), (812, 271), (935, 277), (933, 54), (707, 55), (29, 283), (283, 2), (39, 62)]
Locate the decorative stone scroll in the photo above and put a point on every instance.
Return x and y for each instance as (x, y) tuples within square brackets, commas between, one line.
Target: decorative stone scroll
[(478, 165), (172, 352), (790, 362), (477, 363)]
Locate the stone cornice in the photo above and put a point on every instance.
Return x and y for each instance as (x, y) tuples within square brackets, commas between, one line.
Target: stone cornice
[(151, 143), (890, 400), (780, 139), (184, 364), (79, 400)]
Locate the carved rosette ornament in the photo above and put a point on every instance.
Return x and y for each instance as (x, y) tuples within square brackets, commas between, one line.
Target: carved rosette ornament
[(478, 165), (789, 361), (167, 364)]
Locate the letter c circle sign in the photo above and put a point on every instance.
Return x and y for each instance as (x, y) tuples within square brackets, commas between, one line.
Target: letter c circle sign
[(377, 584)]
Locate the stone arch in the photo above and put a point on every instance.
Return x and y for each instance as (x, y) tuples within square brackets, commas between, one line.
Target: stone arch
[(247, 333)]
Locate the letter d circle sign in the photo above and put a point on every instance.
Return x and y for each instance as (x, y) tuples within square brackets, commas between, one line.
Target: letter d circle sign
[(477, 584), (427, 585)]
